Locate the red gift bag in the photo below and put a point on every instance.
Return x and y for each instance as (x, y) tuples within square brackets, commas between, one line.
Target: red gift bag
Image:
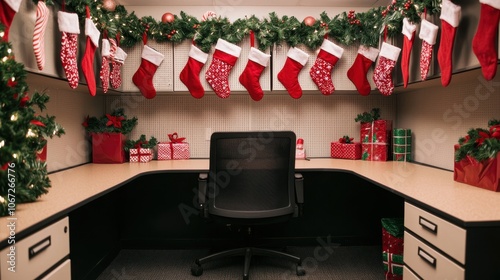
[(108, 147), (483, 174)]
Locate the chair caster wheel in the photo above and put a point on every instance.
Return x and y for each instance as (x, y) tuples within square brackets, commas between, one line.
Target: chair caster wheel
[(196, 270), (300, 271), (245, 277)]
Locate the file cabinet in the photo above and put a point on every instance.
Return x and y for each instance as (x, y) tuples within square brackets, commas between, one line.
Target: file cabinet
[(43, 253)]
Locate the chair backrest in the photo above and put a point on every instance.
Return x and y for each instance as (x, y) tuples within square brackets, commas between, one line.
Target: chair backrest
[(251, 174)]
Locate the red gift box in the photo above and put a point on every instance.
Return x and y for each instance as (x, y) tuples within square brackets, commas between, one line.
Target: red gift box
[(345, 150), (375, 139), (375, 151), (141, 155), (483, 174), (107, 147), (392, 247), (175, 149)]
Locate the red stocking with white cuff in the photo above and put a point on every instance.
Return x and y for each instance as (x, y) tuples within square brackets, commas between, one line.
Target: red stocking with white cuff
[(289, 74), (257, 62), (70, 28), (224, 58), (143, 77), (91, 45), (450, 17), (408, 39), (190, 74), (484, 42), (116, 64), (382, 76), (9, 9), (359, 69), (104, 73), (428, 34), (321, 72)]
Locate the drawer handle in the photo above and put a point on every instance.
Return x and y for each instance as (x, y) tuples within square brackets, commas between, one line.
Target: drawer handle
[(39, 247), (427, 224), (426, 257)]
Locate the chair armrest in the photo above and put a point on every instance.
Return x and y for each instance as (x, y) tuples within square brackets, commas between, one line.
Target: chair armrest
[(299, 188), (299, 194), (202, 189)]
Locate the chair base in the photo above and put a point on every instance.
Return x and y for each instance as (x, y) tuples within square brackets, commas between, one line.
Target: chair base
[(248, 252)]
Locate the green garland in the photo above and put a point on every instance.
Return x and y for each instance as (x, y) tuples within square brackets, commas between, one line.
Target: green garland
[(23, 132), (142, 142), (346, 28), (368, 117), (116, 122), (480, 144)]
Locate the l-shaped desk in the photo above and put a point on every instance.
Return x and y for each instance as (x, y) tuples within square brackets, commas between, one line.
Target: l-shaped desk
[(429, 193)]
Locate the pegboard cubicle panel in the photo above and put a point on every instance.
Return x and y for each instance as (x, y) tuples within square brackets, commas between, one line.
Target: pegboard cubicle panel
[(162, 79), (181, 55), (319, 120), (339, 73)]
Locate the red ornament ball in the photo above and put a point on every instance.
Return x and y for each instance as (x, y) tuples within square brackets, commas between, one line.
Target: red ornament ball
[(167, 17), (309, 21), (109, 5)]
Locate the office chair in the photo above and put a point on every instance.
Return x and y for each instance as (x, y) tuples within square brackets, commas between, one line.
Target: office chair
[(251, 181)]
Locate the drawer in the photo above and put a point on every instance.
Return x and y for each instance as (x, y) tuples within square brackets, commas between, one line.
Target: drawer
[(62, 272), (427, 262), (36, 253), (408, 274), (446, 236)]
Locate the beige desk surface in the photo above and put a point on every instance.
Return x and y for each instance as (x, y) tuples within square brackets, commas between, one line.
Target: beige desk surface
[(433, 187)]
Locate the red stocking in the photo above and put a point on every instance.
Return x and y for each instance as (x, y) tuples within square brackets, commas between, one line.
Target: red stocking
[(88, 58), (9, 9), (382, 76), (289, 75), (428, 34), (450, 17), (359, 69), (485, 39), (408, 39), (143, 77), (217, 75), (321, 71), (257, 62), (70, 28), (190, 74)]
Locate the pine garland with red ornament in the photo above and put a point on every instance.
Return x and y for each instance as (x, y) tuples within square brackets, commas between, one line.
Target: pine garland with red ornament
[(116, 122), (346, 28), (479, 143), (23, 132)]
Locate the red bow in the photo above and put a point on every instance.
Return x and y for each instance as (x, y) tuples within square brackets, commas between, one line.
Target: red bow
[(495, 131), (116, 121), (139, 144), (346, 140), (86, 122), (482, 136), (174, 138)]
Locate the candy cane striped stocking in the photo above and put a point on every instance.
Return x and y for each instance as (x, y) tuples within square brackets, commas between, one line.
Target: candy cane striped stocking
[(70, 28), (42, 17)]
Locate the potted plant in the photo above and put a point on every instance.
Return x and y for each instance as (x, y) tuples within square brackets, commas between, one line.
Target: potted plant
[(108, 136), (477, 158)]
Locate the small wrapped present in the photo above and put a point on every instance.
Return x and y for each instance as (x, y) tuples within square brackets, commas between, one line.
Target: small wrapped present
[(141, 150), (345, 148), (392, 247), (401, 144), (141, 155), (108, 147), (175, 149)]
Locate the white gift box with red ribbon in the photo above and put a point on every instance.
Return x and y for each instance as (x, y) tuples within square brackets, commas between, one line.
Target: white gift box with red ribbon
[(176, 148)]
